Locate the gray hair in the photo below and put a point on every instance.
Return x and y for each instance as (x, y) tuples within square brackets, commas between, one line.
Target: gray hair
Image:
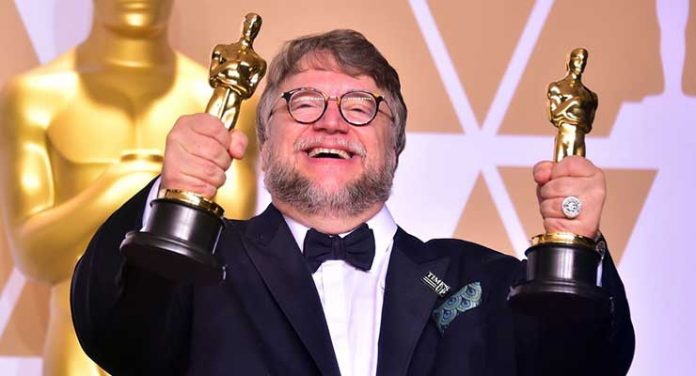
[(353, 54)]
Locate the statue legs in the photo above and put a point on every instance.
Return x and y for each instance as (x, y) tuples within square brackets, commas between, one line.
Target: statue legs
[(224, 104)]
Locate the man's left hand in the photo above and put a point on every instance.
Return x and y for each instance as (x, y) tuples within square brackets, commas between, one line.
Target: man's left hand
[(573, 176)]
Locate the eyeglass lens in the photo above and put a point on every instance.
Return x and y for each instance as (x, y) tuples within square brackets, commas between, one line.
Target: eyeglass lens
[(357, 108)]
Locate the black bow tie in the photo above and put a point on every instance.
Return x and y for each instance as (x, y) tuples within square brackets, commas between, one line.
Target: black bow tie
[(357, 248)]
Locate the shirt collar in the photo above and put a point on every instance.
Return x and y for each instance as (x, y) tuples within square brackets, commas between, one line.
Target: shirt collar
[(382, 225)]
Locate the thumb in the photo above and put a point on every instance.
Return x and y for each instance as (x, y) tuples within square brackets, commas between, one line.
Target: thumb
[(238, 144)]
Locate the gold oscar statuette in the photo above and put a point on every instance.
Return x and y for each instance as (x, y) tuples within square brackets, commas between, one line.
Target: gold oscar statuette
[(180, 235), (562, 267)]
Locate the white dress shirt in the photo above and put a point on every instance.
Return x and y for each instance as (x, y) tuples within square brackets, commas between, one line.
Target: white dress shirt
[(352, 299)]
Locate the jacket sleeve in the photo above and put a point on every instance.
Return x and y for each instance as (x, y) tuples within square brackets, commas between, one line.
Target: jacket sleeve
[(127, 320), (620, 341)]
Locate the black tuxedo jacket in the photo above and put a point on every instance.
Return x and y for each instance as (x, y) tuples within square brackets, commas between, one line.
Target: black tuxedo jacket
[(266, 318)]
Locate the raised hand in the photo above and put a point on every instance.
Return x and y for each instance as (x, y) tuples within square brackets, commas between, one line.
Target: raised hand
[(572, 176), (198, 152)]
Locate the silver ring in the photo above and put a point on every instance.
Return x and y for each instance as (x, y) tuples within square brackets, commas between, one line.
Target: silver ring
[(572, 207)]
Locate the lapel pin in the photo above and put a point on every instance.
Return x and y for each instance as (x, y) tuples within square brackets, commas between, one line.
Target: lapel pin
[(435, 283)]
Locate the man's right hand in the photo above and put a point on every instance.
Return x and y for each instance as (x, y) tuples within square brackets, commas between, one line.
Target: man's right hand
[(198, 152)]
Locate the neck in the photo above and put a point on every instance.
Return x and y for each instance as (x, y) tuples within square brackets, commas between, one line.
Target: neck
[(106, 48), (329, 224)]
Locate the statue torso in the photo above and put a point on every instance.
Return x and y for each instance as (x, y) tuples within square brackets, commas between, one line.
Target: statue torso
[(571, 103), (92, 118)]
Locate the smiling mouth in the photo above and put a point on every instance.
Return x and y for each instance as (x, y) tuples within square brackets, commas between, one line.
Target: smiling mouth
[(329, 153)]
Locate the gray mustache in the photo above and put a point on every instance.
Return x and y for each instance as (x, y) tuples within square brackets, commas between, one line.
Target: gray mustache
[(353, 147)]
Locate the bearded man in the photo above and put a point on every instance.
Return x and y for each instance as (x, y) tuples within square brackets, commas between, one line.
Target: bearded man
[(324, 281)]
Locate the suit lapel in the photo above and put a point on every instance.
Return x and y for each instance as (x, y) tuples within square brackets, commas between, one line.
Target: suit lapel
[(274, 253), (408, 302)]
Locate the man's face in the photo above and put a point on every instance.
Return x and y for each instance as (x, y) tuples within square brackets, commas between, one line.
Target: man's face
[(329, 166)]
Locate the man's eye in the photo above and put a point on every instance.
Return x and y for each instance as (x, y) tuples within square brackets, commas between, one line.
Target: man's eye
[(357, 110), (300, 105), (358, 106), (307, 104)]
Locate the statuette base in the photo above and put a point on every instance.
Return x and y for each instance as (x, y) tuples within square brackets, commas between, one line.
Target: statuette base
[(178, 243), (561, 283)]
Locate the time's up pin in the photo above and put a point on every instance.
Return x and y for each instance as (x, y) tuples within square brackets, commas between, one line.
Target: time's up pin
[(435, 283)]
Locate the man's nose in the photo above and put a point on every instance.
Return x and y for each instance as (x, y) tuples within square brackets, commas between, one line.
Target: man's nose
[(332, 121)]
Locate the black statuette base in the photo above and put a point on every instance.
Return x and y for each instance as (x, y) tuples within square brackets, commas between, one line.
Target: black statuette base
[(177, 243), (561, 283)]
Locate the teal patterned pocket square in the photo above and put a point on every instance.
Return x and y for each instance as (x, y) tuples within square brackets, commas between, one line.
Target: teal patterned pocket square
[(461, 301)]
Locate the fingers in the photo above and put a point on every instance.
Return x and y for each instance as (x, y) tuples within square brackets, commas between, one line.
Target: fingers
[(574, 166), (189, 183), (198, 152), (542, 172), (238, 144), (552, 225), (573, 176), (205, 170), (553, 208), (572, 186), (206, 148)]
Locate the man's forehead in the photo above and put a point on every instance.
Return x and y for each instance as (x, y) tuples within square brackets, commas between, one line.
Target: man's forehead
[(329, 81), (324, 62)]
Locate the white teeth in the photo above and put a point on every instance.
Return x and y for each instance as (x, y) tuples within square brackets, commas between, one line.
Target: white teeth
[(341, 153)]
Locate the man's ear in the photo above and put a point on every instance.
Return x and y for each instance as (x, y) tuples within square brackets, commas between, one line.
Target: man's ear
[(264, 156)]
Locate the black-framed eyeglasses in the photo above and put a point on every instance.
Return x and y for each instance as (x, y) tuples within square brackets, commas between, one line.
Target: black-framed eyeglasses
[(307, 105)]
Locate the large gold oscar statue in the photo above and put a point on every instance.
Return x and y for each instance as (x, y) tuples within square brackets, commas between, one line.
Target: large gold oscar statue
[(80, 135)]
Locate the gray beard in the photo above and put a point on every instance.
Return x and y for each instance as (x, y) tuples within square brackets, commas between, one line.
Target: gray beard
[(287, 185)]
